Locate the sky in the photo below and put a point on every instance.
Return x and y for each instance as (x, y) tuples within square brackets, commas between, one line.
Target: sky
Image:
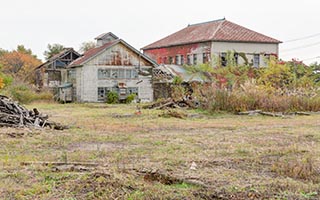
[(37, 23)]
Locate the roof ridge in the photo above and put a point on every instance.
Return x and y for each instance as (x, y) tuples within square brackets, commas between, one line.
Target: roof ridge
[(216, 20), (217, 29)]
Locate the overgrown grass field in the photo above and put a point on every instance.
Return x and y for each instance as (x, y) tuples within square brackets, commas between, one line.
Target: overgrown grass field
[(220, 156)]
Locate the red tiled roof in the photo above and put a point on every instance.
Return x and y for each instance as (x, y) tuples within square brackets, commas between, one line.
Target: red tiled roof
[(219, 30), (92, 52)]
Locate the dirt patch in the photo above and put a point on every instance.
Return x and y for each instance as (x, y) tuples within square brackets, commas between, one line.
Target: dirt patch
[(100, 146)]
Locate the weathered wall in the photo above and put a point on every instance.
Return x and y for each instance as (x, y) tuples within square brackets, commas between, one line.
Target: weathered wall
[(117, 57), (197, 48), (248, 48), (91, 83)]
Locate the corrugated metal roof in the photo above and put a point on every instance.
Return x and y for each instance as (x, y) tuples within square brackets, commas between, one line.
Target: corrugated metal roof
[(218, 30), (182, 72), (95, 51), (92, 52)]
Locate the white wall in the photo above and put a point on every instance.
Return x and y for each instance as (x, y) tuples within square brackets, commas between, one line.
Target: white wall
[(90, 83), (248, 48)]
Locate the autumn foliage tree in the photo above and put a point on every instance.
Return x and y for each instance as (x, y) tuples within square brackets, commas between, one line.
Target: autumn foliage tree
[(20, 64)]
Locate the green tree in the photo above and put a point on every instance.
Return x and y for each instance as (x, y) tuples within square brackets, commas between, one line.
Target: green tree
[(53, 50), (85, 46)]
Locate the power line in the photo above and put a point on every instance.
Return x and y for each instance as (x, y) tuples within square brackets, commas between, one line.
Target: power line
[(303, 38), (301, 47), (311, 58)]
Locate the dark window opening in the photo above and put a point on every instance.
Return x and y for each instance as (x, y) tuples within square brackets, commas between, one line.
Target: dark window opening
[(223, 58), (182, 60), (176, 60), (170, 60), (256, 60), (205, 58), (236, 58), (189, 59), (194, 59)]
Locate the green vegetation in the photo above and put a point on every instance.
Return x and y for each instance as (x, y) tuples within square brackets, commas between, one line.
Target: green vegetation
[(130, 98), (112, 97), (279, 87)]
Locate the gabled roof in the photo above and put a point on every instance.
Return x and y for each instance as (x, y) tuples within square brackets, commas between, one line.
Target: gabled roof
[(92, 53), (58, 56), (218, 30), (104, 35)]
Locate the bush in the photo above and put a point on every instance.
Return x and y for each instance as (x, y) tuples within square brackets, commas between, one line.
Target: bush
[(25, 94), (130, 98), (112, 97)]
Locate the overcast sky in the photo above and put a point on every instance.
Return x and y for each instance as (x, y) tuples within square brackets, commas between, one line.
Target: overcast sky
[(36, 23)]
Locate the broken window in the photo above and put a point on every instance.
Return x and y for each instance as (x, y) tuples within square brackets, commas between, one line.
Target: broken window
[(114, 73), (104, 73), (170, 60), (223, 58), (189, 59), (182, 60), (101, 94), (256, 60), (205, 58), (132, 90), (194, 59), (236, 58)]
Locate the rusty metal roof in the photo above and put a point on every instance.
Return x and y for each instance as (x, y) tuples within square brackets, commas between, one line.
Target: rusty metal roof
[(91, 53), (218, 30), (181, 71)]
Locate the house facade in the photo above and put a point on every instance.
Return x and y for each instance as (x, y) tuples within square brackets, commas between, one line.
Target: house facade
[(51, 73), (200, 43), (113, 65)]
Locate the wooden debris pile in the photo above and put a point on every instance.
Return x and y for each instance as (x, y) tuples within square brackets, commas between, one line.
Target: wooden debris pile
[(271, 114), (171, 103), (14, 115)]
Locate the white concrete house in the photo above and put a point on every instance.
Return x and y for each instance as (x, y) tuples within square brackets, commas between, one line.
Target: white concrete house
[(113, 65)]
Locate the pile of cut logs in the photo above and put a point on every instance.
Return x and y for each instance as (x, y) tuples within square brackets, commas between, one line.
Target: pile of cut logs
[(171, 103), (14, 115)]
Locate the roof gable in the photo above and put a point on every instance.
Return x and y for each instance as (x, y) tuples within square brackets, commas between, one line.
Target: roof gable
[(218, 30), (95, 52)]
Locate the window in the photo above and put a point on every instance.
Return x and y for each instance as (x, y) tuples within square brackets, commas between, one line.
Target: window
[(72, 76), (170, 60), (101, 94), (132, 90), (104, 73), (182, 60), (176, 60), (256, 60), (165, 60), (205, 58), (236, 56), (223, 58), (117, 74), (189, 59), (194, 59), (122, 73)]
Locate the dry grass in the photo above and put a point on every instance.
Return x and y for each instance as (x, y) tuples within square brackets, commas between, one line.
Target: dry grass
[(236, 157)]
